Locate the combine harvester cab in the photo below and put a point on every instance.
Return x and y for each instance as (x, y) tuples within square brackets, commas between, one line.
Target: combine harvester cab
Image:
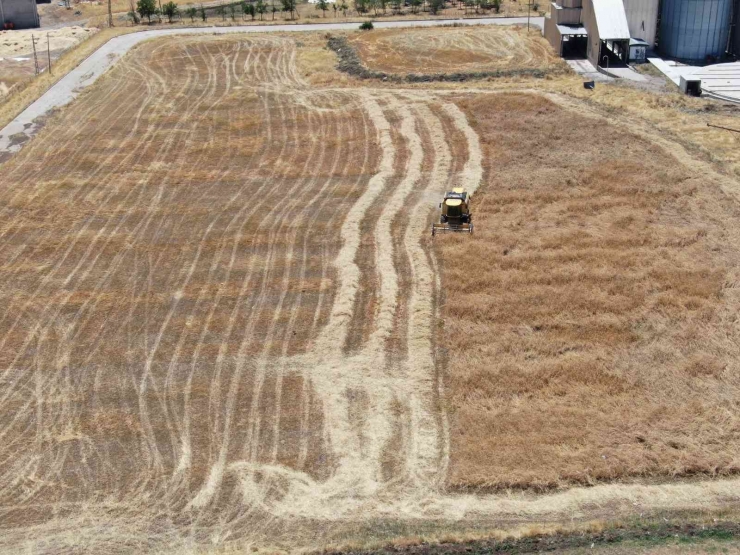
[(455, 213)]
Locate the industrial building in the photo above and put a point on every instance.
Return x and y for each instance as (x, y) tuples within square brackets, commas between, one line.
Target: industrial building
[(19, 14), (606, 32), (687, 33), (690, 31)]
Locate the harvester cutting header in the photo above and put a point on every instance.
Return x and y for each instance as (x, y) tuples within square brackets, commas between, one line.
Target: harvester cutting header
[(455, 216)]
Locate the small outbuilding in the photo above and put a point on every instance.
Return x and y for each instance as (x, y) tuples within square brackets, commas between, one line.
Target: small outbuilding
[(19, 14), (638, 50)]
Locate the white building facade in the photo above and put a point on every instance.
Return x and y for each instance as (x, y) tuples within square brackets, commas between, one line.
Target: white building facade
[(642, 18)]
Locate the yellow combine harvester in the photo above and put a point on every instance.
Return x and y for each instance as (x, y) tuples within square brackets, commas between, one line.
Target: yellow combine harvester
[(456, 214)]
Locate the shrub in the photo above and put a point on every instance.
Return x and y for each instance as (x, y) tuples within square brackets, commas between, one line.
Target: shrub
[(366, 26)]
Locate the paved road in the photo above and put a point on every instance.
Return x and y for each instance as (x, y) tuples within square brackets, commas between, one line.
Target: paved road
[(14, 135), (588, 71)]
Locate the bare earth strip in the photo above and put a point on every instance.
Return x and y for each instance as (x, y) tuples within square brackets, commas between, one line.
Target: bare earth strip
[(180, 281)]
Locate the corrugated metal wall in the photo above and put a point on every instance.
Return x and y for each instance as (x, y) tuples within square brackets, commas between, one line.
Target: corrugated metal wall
[(695, 29), (736, 28), (642, 17)]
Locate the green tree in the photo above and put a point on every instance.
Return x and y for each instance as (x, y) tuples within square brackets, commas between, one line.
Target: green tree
[(361, 6), (191, 12), (415, 5), (396, 6), (134, 17), (248, 9), (146, 8), (203, 14), (232, 11), (322, 5), (289, 7), (221, 10), (343, 7), (171, 10), (261, 8), (435, 6)]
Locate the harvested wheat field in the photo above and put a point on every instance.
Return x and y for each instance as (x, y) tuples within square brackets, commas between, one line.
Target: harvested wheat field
[(188, 330), (455, 49), (225, 325)]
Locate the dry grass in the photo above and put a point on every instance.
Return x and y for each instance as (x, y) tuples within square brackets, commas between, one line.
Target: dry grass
[(590, 319), (27, 91), (16, 58), (672, 115), (667, 114), (18, 43), (459, 49)]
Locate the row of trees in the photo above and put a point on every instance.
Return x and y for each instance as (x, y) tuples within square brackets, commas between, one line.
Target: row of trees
[(432, 6), (323, 5), (147, 9)]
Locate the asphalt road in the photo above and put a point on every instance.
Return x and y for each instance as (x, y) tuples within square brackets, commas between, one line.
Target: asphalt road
[(14, 135)]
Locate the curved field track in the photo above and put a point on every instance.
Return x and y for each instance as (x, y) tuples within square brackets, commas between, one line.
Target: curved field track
[(457, 49)]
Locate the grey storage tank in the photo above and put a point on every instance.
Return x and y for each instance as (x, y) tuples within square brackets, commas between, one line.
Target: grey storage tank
[(18, 14), (693, 30)]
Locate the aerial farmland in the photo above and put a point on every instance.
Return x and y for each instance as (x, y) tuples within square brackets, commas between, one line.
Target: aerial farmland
[(225, 325)]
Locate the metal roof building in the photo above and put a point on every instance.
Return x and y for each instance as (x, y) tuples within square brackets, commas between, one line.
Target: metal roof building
[(608, 32), (19, 14), (611, 18)]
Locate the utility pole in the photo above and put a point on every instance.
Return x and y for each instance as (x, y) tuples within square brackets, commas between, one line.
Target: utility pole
[(48, 52), (35, 57), (110, 14)]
